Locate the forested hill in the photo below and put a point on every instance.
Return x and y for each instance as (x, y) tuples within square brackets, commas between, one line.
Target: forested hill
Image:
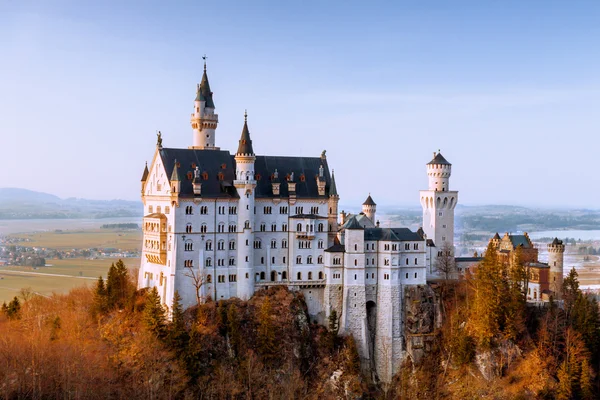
[(27, 204)]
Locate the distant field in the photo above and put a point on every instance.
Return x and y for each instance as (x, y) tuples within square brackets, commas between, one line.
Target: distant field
[(47, 280), (81, 239)]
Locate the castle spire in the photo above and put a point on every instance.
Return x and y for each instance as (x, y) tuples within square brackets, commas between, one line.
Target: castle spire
[(145, 173), (205, 88), (332, 187), (245, 146), (175, 174)]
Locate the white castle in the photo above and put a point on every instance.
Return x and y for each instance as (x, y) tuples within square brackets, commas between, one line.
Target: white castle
[(244, 222)]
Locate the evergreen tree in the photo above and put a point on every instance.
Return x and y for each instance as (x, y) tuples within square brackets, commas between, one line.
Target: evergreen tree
[(234, 328), (154, 314), (333, 322), (266, 331), (117, 285), (586, 381), (570, 290), (100, 304), (13, 309), (178, 336)]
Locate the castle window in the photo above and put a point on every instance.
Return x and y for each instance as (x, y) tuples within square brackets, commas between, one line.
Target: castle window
[(188, 245), (273, 276), (208, 278), (209, 245), (320, 260), (440, 214), (284, 275), (320, 229), (407, 275), (355, 277), (284, 260), (284, 228), (150, 209), (416, 246), (394, 247), (188, 228), (407, 261), (416, 261), (231, 261), (158, 209), (204, 210), (262, 260), (415, 275), (203, 228), (221, 278), (188, 263), (247, 225), (267, 210), (167, 209), (232, 278), (221, 227), (272, 260), (232, 245), (355, 262), (309, 260), (299, 228), (355, 247), (284, 244), (221, 245), (310, 276), (257, 244), (273, 243), (273, 227), (220, 176), (299, 276), (320, 275), (263, 227), (443, 238), (299, 260), (406, 246), (386, 261)]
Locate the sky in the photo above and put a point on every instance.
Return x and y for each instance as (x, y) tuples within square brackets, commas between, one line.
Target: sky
[(509, 91)]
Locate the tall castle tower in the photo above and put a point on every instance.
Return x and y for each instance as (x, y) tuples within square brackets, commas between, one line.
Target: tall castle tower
[(556, 251), (438, 204), (204, 120), (369, 208), (332, 216), (245, 183)]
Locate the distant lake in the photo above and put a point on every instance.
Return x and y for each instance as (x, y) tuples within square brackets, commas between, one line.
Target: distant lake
[(9, 226), (577, 234)]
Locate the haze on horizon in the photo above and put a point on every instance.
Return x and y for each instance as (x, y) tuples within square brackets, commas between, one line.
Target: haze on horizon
[(509, 91)]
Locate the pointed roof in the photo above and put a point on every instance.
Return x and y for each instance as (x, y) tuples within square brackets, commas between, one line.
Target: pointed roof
[(438, 159), (556, 241), (369, 201), (145, 174), (175, 174), (496, 236), (204, 92), (332, 187), (245, 146), (353, 223)]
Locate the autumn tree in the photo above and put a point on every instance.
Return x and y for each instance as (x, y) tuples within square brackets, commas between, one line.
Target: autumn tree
[(266, 331), (100, 301), (234, 328), (197, 278), (13, 309)]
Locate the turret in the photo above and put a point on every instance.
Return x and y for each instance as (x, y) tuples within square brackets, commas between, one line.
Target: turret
[(144, 177), (369, 207), (245, 185), (439, 171), (204, 120), (556, 251), (175, 180), (332, 216), (197, 182)]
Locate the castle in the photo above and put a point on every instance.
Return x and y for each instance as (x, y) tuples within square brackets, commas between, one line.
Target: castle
[(220, 225)]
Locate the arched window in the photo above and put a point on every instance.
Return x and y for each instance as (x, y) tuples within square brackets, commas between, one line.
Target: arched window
[(299, 228), (320, 227), (208, 262), (299, 276), (321, 244), (262, 276), (320, 275), (208, 278), (273, 243), (188, 228), (320, 260), (273, 276), (355, 262), (262, 260), (284, 275), (299, 260), (208, 245), (203, 228), (221, 245), (310, 276), (355, 247), (309, 260)]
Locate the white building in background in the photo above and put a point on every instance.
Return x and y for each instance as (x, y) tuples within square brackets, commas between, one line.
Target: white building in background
[(245, 221)]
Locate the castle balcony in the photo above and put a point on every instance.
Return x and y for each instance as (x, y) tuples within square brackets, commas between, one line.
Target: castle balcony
[(155, 238), (294, 284), (305, 235)]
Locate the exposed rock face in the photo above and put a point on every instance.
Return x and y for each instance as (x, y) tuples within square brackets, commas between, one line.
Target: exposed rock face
[(421, 317), (491, 363)]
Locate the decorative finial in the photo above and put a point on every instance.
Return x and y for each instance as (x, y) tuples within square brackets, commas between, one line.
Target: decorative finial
[(204, 58), (439, 151), (245, 115), (323, 154)]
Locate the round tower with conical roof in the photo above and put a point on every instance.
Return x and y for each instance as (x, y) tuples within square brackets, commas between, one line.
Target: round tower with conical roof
[(245, 184), (556, 252), (369, 208), (204, 120), (438, 203)]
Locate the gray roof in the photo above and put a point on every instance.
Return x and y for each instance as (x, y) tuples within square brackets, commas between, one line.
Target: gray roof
[(369, 201), (337, 247), (392, 235), (352, 223), (556, 241), (214, 162), (175, 174), (204, 92), (438, 160), (520, 240), (145, 173), (332, 187), (467, 259), (245, 146)]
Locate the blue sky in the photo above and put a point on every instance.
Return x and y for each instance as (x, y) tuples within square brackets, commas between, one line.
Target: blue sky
[(509, 91)]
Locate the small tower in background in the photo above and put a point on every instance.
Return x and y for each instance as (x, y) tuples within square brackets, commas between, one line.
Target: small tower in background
[(556, 252), (369, 208), (332, 216), (204, 120)]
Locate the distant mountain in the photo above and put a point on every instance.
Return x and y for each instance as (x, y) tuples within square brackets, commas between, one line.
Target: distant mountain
[(16, 203)]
